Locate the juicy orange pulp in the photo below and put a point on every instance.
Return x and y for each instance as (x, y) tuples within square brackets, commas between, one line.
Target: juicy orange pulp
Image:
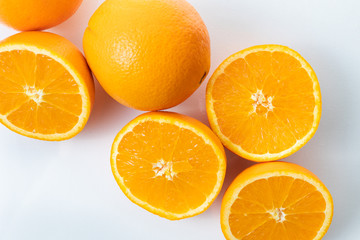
[(265, 203), (38, 94), (277, 201), (264, 102), (46, 88), (169, 164)]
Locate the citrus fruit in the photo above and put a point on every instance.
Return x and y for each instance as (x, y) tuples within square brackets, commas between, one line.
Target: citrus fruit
[(264, 102), (46, 87), (148, 55), (276, 201), (169, 164), (26, 15)]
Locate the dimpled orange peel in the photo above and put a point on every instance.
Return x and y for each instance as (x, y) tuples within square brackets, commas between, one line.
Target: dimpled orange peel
[(148, 55), (29, 15)]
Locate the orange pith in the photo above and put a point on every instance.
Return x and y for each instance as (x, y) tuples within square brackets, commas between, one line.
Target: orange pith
[(169, 164), (275, 201), (264, 102), (42, 95)]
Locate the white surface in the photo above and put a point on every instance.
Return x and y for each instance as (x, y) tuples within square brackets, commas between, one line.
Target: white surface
[(65, 190)]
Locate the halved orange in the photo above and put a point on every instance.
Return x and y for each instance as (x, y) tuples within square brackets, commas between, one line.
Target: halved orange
[(169, 164), (276, 201), (264, 102), (46, 87)]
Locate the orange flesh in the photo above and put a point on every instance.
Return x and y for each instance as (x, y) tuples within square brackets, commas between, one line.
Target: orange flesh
[(37, 93), (264, 102), (169, 167), (277, 208)]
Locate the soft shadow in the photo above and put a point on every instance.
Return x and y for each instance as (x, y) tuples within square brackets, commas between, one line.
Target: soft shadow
[(74, 28), (331, 154), (195, 105), (235, 165), (106, 113)]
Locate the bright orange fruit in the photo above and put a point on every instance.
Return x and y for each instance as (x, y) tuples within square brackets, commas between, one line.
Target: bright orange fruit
[(170, 164), (46, 87), (148, 55), (276, 201), (264, 102), (28, 15)]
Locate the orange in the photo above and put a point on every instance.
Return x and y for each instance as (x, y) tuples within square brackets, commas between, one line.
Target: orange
[(148, 55), (264, 102), (169, 164), (46, 87), (276, 201), (27, 15)]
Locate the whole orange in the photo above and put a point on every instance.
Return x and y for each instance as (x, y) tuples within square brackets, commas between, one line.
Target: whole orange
[(26, 15), (148, 55)]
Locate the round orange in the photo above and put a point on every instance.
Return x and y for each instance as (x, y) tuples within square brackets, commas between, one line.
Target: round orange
[(26, 15), (264, 102), (169, 164), (148, 55), (46, 87), (276, 201)]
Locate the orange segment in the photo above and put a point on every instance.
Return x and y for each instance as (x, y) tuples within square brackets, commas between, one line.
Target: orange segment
[(264, 102), (274, 201), (169, 164), (46, 88)]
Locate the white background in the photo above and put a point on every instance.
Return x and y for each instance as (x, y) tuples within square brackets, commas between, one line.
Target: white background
[(65, 190)]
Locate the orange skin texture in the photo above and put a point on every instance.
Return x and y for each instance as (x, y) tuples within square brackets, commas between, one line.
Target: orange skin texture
[(148, 55), (28, 15)]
